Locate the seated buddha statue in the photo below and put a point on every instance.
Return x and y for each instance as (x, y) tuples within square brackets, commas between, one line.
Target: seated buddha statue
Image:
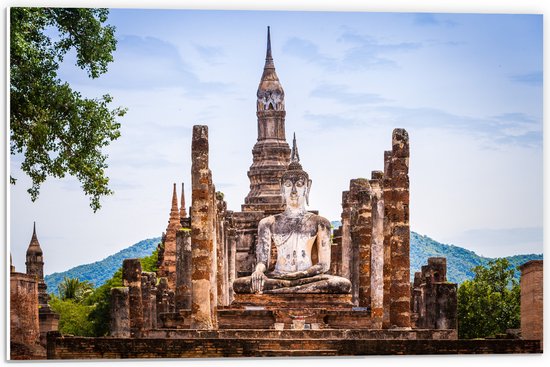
[(294, 232)]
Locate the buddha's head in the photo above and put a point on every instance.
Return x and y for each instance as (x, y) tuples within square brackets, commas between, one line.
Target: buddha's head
[(295, 186)]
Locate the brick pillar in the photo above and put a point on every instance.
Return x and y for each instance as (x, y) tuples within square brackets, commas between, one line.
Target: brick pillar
[(231, 239), (387, 197), (204, 302), (183, 269), (153, 299), (531, 300), (357, 235), (346, 236), (221, 250), (162, 299), (361, 237), (120, 313), (131, 276), (400, 232), (148, 315), (377, 250)]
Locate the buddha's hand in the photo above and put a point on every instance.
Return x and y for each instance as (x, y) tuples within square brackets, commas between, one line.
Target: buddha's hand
[(257, 281), (292, 275)]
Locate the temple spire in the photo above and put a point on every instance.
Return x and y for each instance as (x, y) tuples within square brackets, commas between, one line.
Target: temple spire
[(294, 156), (174, 209), (34, 257), (268, 56)]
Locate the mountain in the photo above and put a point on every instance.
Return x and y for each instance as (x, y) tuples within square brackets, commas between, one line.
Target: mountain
[(100, 271), (459, 261)]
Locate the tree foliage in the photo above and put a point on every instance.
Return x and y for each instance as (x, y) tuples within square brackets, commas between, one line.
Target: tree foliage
[(73, 316), (490, 303), (55, 128), (73, 289)]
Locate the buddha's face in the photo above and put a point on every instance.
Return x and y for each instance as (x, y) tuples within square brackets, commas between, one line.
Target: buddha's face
[(295, 190)]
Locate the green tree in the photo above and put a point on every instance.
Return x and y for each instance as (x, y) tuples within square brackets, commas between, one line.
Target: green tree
[(73, 316), (75, 290), (490, 302), (55, 128)]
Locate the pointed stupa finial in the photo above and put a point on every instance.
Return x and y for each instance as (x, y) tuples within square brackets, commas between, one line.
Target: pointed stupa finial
[(174, 200), (174, 219), (183, 212), (294, 156), (268, 57), (34, 229)]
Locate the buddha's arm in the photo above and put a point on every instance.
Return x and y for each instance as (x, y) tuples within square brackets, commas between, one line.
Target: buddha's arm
[(263, 251)]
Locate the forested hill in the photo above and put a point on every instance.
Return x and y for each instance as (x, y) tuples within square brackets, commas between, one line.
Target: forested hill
[(100, 271), (459, 261)]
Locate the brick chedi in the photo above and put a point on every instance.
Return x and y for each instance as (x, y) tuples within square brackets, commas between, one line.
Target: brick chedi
[(49, 320), (167, 266), (271, 152)]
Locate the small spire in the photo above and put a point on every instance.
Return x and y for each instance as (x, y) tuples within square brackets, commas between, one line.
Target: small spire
[(174, 200), (294, 156), (34, 229), (183, 212)]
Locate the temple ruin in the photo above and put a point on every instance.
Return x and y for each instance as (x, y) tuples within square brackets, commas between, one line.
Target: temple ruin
[(31, 318), (220, 290)]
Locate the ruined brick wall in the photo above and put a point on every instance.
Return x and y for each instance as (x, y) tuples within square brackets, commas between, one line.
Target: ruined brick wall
[(532, 300), (280, 344), (434, 301), (24, 322)]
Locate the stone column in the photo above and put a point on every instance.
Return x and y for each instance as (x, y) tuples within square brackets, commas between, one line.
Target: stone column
[(377, 250), (120, 312), (346, 236), (400, 231), (231, 238), (183, 269), (204, 300), (387, 197), (131, 276), (221, 250), (531, 300)]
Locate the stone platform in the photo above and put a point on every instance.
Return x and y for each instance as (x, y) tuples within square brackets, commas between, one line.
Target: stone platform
[(274, 343)]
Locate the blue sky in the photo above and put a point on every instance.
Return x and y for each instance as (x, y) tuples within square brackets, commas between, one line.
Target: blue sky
[(467, 87)]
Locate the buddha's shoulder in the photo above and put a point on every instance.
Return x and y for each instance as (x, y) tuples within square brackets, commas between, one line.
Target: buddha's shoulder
[(319, 220), (267, 220)]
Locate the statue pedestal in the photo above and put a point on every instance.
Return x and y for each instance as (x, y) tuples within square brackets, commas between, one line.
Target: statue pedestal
[(293, 311), (292, 300)]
